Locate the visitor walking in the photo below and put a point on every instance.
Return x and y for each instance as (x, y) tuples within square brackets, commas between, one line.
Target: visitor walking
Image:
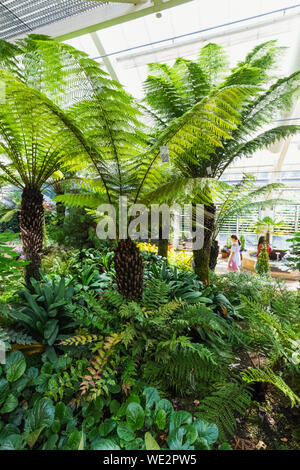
[(234, 261)]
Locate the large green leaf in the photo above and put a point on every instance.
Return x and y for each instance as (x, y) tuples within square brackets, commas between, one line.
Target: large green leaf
[(40, 416), (178, 418), (15, 366), (207, 431), (176, 440), (74, 440), (12, 442), (106, 427), (104, 444), (161, 419), (165, 405), (151, 395), (4, 390), (125, 432), (10, 404), (150, 442), (135, 416)]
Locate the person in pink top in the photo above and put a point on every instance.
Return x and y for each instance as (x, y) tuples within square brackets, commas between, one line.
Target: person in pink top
[(261, 241)]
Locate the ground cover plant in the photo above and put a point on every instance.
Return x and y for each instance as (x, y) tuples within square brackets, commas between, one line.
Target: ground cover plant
[(182, 368)]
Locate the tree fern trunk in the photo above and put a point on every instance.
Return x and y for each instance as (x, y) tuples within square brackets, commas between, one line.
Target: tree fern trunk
[(214, 252), (163, 248), (129, 269), (31, 227), (162, 243), (202, 256)]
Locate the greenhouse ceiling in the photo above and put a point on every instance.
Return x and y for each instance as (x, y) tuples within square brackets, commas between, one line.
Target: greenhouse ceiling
[(125, 36), (71, 17)]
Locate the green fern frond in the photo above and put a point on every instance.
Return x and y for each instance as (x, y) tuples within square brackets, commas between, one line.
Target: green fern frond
[(92, 201), (130, 310), (222, 406), (81, 340), (267, 375), (156, 294), (19, 337)]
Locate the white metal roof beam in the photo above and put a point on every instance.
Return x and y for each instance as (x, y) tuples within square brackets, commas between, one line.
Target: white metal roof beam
[(107, 62), (216, 34), (101, 17)]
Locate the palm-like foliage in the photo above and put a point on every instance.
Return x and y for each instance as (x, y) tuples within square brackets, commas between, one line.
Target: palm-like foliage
[(240, 198), (38, 141), (98, 123), (172, 90), (267, 225), (10, 206), (109, 118)]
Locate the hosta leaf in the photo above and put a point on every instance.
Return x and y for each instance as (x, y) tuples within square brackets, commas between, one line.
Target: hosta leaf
[(176, 438), (4, 390), (105, 444), (74, 440), (165, 405), (106, 427), (151, 395), (191, 433), (32, 438), (10, 404), (150, 442), (125, 432), (178, 418), (135, 416), (208, 431), (15, 366), (12, 442), (40, 416), (201, 444), (161, 419)]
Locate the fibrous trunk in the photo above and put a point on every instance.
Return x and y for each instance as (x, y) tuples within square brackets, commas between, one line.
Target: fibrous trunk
[(31, 227), (163, 245), (129, 269), (202, 256), (214, 253)]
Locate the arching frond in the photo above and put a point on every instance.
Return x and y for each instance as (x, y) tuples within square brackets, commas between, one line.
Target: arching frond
[(214, 62)]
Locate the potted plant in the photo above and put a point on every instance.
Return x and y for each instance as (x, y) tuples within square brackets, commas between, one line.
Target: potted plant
[(225, 252)]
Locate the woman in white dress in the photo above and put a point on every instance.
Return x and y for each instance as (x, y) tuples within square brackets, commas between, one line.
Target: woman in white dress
[(234, 261)]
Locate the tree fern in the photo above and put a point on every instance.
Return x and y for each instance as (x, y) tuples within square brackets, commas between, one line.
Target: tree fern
[(206, 158)]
